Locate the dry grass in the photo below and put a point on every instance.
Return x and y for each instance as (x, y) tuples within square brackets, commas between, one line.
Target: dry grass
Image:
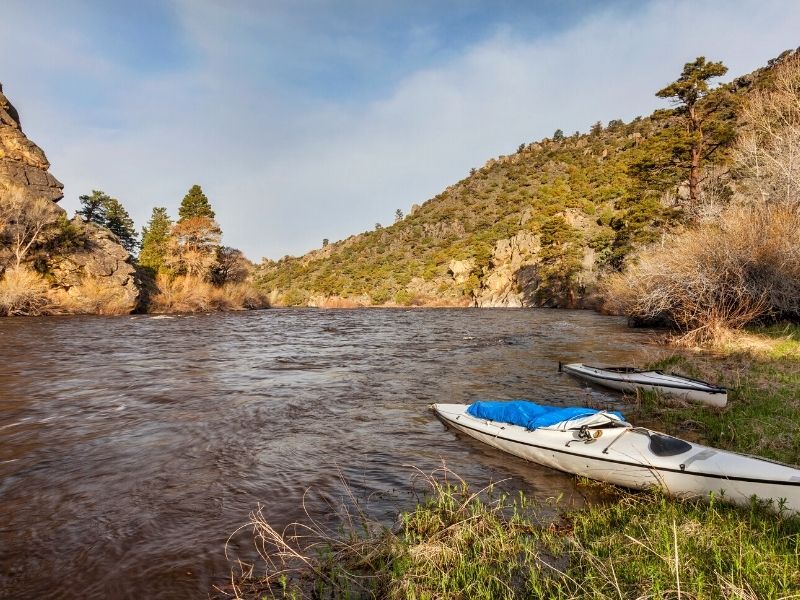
[(240, 296), (192, 294), (718, 277), (94, 296), (337, 302), (773, 343), (23, 292), (26, 293)]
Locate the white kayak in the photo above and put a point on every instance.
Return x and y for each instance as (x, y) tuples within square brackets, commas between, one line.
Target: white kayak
[(628, 379), (605, 448)]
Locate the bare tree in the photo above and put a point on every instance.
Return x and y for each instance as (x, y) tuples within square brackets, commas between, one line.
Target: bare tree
[(231, 267), (23, 223), (192, 247), (769, 149)]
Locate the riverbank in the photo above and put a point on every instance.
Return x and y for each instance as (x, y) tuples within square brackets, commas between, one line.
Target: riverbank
[(761, 368), (24, 292), (462, 543)]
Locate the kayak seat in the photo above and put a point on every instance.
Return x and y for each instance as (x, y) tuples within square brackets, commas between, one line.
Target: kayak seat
[(665, 445)]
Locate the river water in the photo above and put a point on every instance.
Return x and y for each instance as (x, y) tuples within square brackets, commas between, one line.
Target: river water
[(132, 447)]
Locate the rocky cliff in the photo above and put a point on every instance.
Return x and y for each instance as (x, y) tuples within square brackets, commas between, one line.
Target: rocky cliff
[(23, 165), (71, 255)]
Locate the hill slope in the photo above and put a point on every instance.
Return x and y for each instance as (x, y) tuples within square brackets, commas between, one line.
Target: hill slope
[(535, 228)]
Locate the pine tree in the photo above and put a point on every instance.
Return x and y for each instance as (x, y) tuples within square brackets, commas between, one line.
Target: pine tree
[(93, 207), (119, 222), (155, 237), (195, 204), (687, 91), (101, 209)]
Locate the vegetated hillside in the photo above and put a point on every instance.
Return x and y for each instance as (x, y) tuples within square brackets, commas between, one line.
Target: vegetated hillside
[(539, 227)]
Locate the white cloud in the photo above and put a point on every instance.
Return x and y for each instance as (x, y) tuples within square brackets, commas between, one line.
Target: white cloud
[(284, 171)]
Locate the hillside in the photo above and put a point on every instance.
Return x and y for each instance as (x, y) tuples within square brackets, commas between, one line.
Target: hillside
[(538, 227)]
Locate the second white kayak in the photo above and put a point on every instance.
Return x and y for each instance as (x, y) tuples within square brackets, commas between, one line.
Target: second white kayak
[(627, 379)]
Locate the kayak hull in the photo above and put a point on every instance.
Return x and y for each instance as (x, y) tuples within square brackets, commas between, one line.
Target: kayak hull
[(622, 456), (671, 385)]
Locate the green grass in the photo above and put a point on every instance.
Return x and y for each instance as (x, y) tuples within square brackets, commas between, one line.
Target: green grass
[(650, 545), (489, 545), (761, 369), (787, 340)]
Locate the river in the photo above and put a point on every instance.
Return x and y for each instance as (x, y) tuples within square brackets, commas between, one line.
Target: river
[(132, 447)]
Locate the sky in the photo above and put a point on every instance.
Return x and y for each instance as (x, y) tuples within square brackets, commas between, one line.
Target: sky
[(312, 119)]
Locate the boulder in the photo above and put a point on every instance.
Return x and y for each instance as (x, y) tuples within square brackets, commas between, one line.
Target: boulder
[(101, 257)]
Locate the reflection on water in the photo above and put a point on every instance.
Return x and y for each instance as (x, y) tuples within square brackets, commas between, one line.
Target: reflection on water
[(131, 447)]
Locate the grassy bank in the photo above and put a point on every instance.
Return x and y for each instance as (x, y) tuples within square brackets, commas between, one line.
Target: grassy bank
[(761, 368), (460, 543), (486, 545)]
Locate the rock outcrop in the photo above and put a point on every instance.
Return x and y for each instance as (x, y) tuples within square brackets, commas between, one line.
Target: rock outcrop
[(72, 254), (510, 273), (461, 269), (23, 165), (512, 277), (102, 260)]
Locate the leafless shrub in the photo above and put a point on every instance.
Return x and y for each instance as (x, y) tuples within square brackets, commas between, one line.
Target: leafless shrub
[(716, 277), (192, 247), (23, 223), (23, 292), (715, 195), (232, 266), (768, 150)]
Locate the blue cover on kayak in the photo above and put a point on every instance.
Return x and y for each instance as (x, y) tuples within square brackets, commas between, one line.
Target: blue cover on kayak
[(529, 414)]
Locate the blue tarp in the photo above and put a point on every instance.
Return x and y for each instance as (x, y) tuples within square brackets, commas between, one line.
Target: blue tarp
[(529, 414)]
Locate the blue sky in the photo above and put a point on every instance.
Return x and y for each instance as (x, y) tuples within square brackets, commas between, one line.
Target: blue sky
[(305, 120)]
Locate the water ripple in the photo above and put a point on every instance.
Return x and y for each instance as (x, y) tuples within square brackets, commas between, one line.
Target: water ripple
[(130, 448)]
